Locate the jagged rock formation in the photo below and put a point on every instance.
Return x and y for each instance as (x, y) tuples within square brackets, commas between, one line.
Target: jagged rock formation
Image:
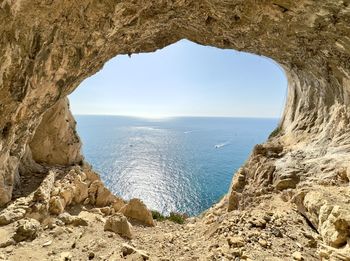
[(48, 47), (118, 224), (55, 140)]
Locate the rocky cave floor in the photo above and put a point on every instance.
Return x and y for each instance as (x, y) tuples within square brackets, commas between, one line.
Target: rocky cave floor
[(272, 230), (65, 217), (264, 233)]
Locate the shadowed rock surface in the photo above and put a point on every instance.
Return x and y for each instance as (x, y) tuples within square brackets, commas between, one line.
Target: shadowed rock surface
[(297, 182)]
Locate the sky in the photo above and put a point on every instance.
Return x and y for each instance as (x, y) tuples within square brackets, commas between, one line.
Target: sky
[(184, 79)]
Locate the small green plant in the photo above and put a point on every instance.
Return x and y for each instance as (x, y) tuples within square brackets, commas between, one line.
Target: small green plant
[(157, 215), (177, 218), (174, 217), (275, 132)]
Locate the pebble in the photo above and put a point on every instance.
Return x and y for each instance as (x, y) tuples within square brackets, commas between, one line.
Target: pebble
[(263, 243), (91, 255), (276, 232), (299, 245), (69, 230), (47, 243), (65, 256), (58, 231), (297, 256)]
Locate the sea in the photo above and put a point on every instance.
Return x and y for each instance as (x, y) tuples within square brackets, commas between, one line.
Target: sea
[(182, 164)]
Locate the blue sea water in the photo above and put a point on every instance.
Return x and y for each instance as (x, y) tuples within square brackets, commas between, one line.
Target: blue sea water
[(179, 164)]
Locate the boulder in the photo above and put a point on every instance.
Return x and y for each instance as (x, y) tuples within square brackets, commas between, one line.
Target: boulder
[(263, 243), (118, 204), (258, 222), (137, 254), (287, 180), (99, 194), (67, 193), (42, 194), (81, 191), (236, 242), (15, 211), (328, 211), (107, 211), (119, 224), (90, 174), (27, 229), (137, 210), (65, 256), (55, 140), (297, 256), (233, 202), (39, 207), (239, 180), (68, 219), (57, 205)]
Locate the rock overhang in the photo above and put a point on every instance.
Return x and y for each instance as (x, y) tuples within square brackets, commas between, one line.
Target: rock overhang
[(48, 47)]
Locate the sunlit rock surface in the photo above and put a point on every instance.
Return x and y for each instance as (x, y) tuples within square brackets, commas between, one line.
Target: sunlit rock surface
[(48, 47)]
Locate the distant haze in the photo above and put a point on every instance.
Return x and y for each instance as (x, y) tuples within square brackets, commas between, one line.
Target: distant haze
[(184, 79)]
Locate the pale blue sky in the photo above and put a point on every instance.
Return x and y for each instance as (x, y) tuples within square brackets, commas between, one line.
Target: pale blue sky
[(184, 79)]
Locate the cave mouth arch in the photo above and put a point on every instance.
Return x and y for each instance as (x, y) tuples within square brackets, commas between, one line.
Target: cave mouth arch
[(44, 59), (228, 78), (311, 48)]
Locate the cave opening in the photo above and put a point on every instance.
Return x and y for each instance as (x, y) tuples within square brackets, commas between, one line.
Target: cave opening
[(179, 121), (305, 164)]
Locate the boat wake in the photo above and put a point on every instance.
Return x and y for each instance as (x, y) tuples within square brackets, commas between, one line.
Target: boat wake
[(220, 145)]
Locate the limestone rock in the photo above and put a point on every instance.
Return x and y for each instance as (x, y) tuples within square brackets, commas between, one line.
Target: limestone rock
[(118, 203), (15, 211), (67, 194), (263, 243), (236, 242), (41, 198), (81, 190), (129, 250), (99, 194), (107, 211), (27, 229), (233, 200), (28, 165), (65, 256), (330, 219), (91, 175), (55, 140), (42, 194), (137, 210), (118, 224), (72, 220), (287, 180), (47, 243), (42, 62), (258, 222), (238, 182), (57, 205), (330, 253), (297, 256)]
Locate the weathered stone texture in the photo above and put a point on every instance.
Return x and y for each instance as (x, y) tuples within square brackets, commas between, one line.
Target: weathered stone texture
[(56, 140), (48, 47)]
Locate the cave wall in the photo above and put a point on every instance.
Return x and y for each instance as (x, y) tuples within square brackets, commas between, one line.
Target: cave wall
[(48, 47), (56, 141)]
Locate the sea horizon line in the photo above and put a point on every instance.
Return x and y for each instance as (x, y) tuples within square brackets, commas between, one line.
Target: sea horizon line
[(177, 116)]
